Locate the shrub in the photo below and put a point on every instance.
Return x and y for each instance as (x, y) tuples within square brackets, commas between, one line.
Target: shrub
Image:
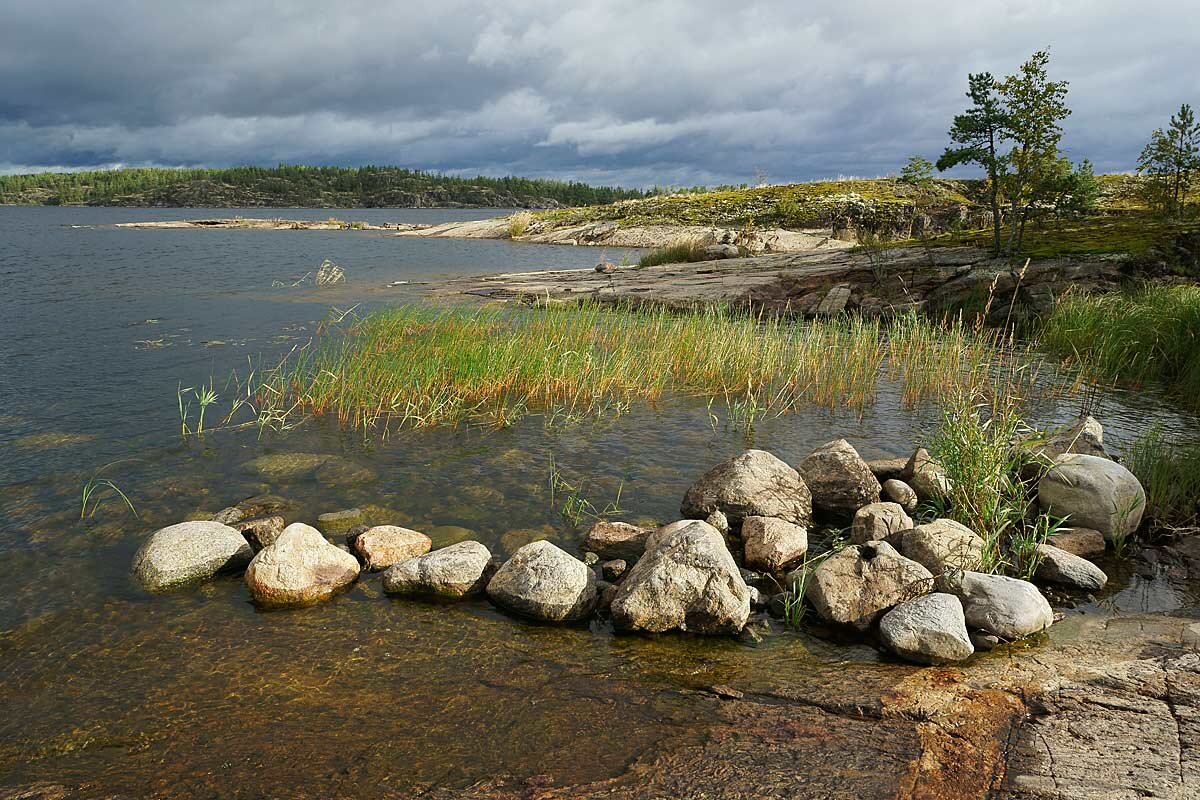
[(677, 253)]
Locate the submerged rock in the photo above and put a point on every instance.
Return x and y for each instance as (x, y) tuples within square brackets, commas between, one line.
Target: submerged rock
[(285, 466), (686, 580), (1093, 492), (340, 521), (544, 582), (858, 583), (943, 545), (1067, 569), (900, 493), (838, 478), (771, 544), (189, 552), (1007, 607), (754, 484), (337, 471), (384, 545), (878, 521), (456, 571), (617, 540), (927, 630), (228, 516), (300, 568)]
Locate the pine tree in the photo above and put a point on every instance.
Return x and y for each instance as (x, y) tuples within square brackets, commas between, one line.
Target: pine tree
[(1171, 162), (978, 132)]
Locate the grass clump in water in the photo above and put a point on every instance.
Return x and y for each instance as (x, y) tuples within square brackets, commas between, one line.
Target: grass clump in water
[(1170, 473), (678, 253), (418, 366), (1144, 336)]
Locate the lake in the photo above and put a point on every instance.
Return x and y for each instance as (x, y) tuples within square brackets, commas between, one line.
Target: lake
[(199, 693)]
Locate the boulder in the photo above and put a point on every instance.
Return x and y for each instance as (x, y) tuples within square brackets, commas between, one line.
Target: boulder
[(544, 582), (616, 540), (1007, 607), (942, 546), (229, 516), (925, 476), (855, 585), (340, 521), (299, 569), (885, 469), (1093, 492), (927, 630), (1083, 542), (1085, 436), (1067, 569), (754, 484), (897, 491), (878, 521), (839, 480), (714, 252), (385, 545), (286, 466), (456, 571), (686, 580), (189, 552), (261, 532), (770, 544)]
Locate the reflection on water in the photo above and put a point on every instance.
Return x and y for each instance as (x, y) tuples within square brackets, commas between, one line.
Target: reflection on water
[(197, 692)]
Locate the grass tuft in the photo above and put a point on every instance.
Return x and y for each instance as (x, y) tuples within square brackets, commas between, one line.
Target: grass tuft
[(678, 253)]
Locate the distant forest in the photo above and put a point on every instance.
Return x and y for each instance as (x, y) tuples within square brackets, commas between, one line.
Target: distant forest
[(302, 186)]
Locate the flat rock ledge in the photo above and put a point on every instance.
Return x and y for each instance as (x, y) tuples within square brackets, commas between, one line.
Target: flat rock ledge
[(812, 283)]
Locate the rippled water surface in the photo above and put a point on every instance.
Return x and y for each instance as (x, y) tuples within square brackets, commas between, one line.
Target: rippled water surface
[(198, 693)]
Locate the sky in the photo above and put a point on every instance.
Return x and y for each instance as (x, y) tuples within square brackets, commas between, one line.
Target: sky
[(629, 92)]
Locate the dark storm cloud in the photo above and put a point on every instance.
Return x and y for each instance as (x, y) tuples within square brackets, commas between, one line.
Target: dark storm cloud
[(602, 90)]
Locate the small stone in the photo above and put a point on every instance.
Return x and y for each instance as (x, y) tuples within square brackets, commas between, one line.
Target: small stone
[(1083, 542), (614, 570), (300, 568), (756, 598), (901, 493), (1093, 492), (617, 540), (771, 544), (355, 532), (885, 469), (925, 476), (340, 521), (855, 585), (719, 521), (591, 559), (726, 692), (286, 466), (1066, 569), (985, 642), (261, 532), (754, 484), (385, 545), (1007, 607), (942, 546), (262, 505), (878, 521)]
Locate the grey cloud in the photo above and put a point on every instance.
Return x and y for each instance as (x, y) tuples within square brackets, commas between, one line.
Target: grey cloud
[(602, 90)]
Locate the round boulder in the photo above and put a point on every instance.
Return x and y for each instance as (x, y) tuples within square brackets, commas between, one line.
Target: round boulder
[(1007, 607), (189, 552), (754, 484), (1093, 492), (686, 580), (771, 544), (927, 630), (943, 545), (299, 569), (878, 521), (384, 545), (455, 571), (900, 493), (839, 480), (544, 582)]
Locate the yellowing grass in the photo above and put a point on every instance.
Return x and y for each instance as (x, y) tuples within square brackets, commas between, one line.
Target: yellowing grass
[(419, 366)]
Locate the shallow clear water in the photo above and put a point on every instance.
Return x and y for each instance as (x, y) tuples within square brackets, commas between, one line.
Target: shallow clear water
[(197, 692)]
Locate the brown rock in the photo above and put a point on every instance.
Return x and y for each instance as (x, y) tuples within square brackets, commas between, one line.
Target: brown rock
[(384, 545)]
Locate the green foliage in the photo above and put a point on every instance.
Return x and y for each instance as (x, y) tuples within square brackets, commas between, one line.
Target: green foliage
[(1137, 337), (976, 135), (678, 253), (97, 489), (295, 185), (1170, 472), (918, 171), (1171, 163)]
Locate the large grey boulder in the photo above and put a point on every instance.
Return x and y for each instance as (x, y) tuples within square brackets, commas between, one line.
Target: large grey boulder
[(838, 478), (544, 582), (925, 476), (943, 546), (1067, 569), (1093, 492), (927, 630), (878, 521), (770, 544), (455, 571), (855, 585), (189, 552), (300, 568), (686, 580), (616, 540), (384, 545), (754, 484), (1007, 607)]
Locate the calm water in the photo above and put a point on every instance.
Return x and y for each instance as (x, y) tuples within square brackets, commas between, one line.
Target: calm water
[(196, 693)]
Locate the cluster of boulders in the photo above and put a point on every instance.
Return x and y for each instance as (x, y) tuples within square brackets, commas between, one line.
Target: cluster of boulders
[(742, 544)]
